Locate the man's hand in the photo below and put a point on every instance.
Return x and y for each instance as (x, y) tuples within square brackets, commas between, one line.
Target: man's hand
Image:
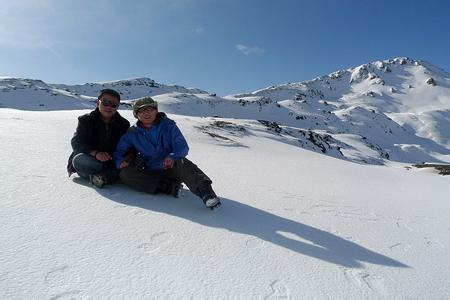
[(103, 156), (168, 163), (124, 164)]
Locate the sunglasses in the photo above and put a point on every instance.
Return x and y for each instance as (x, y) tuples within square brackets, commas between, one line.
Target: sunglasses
[(107, 103), (146, 109)]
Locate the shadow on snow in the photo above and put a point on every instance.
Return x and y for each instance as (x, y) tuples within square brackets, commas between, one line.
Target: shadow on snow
[(245, 219)]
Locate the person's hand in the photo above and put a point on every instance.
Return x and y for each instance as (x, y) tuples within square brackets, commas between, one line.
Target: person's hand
[(168, 163), (124, 164), (103, 156)]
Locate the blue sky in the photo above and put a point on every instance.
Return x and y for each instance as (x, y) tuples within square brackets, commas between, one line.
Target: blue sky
[(222, 46)]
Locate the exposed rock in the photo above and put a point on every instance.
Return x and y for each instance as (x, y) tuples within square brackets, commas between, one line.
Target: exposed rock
[(443, 169), (431, 81), (271, 125)]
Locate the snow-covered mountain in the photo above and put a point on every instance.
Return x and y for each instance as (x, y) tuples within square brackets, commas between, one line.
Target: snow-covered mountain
[(294, 223), (395, 109), (392, 110), (30, 94)]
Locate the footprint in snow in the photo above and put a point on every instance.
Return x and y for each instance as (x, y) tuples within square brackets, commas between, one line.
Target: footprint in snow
[(60, 275), (120, 206), (61, 282), (363, 279), (345, 212), (434, 243), (288, 209), (139, 212), (400, 246), (66, 295), (157, 241), (404, 224), (254, 243), (278, 291)]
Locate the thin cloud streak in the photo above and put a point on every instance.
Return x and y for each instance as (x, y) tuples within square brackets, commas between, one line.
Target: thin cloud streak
[(249, 50)]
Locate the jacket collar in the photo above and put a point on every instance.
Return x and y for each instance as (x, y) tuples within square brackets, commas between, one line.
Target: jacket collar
[(96, 114)]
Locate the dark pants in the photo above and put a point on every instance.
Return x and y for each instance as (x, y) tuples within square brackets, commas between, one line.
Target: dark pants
[(184, 171), (86, 165)]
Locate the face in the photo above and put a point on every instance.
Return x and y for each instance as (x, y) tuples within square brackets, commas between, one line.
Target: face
[(147, 115), (108, 105)]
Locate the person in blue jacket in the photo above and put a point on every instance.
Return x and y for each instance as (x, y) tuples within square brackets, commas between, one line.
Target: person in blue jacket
[(161, 164)]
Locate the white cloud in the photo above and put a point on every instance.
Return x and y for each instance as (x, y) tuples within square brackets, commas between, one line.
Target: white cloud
[(249, 50)]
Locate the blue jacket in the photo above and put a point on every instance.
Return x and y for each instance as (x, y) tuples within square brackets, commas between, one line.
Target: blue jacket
[(164, 139)]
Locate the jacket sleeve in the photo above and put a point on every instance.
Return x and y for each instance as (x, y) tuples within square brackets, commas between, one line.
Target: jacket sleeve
[(80, 140), (125, 143), (179, 144)]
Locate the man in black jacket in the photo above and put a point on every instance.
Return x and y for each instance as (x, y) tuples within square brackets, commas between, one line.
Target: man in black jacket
[(95, 140)]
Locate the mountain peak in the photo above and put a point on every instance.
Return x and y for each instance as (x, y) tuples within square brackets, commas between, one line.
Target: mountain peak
[(130, 81)]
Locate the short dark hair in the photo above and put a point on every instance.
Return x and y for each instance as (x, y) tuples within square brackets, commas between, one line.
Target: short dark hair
[(110, 92)]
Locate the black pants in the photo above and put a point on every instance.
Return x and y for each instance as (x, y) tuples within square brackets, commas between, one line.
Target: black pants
[(184, 171), (86, 165)]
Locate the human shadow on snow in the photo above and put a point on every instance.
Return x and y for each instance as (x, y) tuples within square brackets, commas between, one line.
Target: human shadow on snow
[(245, 219)]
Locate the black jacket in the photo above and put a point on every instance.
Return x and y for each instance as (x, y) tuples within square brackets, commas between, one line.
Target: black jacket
[(93, 134)]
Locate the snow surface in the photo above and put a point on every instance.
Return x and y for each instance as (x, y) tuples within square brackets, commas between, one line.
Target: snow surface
[(295, 223)]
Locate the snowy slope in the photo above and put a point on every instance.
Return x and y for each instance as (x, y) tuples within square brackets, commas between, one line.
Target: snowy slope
[(294, 223), (387, 111), (399, 108)]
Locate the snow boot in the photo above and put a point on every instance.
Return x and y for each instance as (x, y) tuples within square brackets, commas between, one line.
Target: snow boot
[(211, 201), (176, 189), (97, 180)]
